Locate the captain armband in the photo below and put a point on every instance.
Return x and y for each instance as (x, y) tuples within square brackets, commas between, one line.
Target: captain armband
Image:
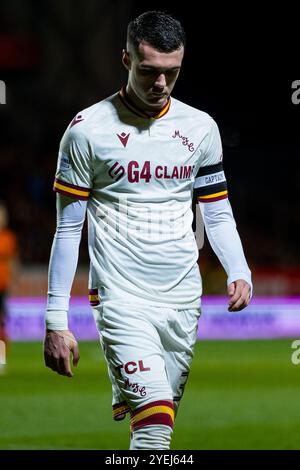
[(210, 184)]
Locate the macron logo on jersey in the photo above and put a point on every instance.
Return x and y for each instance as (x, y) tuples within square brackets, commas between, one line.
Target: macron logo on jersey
[(76, 120), (124, 138)]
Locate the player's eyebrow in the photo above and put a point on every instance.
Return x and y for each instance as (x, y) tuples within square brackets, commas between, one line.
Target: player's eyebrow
[(159, 69)]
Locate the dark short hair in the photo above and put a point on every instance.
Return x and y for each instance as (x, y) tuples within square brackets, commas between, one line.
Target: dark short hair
[(161, 30)]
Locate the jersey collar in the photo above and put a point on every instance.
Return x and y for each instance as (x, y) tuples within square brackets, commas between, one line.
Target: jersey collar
[(123, 95)]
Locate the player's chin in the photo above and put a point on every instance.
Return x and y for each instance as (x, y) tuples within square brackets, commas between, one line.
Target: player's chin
[(157, 101)]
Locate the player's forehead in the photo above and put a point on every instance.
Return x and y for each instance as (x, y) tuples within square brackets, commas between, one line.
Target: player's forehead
[(147, 56)]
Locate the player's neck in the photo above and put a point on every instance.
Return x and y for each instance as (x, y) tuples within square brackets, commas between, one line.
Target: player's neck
[(140, 104)]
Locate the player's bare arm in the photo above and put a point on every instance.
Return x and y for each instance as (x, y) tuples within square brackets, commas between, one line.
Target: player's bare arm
[(58, 347)]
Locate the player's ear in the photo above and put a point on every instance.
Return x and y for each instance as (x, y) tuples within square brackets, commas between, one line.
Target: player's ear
[(126, 59)]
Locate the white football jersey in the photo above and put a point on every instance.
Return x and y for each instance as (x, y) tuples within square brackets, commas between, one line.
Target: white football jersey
[(138, 175)]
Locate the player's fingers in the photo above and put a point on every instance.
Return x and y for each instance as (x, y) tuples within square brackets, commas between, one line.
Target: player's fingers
[(76, 355), (242, 290), (246, 303), (242, 302), (65, 367), (236, 296), (53, 363), (231, 289), (56, 365), (49, 361), (247, 295), (46, 357), (239, 305), (61, 365)]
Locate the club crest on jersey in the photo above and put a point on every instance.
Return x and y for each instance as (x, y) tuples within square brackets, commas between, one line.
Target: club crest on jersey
[(184, 140), (123, 138)]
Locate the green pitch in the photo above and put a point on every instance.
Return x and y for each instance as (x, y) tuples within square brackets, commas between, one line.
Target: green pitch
[(240, 395)]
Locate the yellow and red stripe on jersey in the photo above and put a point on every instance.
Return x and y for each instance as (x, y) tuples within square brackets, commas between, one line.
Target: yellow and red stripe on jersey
[(213, 197), (139, 112), (94, 297), (71, 190), (120, 410), (157, 412)]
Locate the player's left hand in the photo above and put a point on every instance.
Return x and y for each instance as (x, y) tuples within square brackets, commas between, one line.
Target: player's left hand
[(239, 293)]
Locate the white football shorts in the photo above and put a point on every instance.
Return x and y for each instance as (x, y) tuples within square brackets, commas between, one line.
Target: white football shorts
[(148, 350)]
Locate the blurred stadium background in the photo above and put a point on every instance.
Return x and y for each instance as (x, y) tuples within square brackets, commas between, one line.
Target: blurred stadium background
[(243, 393)]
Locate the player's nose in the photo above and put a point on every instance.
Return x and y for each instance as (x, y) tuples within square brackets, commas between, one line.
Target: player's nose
[(160, 81)]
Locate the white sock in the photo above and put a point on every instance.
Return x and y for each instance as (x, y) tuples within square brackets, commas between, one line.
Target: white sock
[(151, 437)]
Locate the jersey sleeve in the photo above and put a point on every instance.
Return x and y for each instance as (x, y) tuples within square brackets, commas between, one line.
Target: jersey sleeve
[(210, 182), (74, 173)]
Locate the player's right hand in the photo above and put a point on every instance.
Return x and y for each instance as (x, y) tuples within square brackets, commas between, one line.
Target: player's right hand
[(57, 348)]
